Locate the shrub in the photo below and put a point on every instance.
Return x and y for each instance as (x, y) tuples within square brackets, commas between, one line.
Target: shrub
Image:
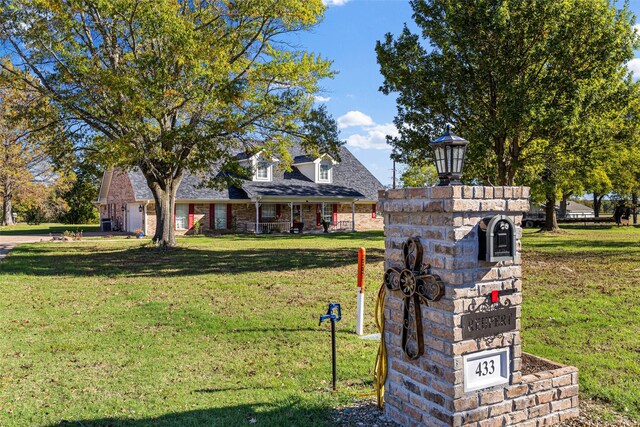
[(34, 215)]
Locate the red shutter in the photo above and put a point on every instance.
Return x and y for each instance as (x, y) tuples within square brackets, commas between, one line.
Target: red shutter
[(191, 212), (318, 209), (260, 214), (212, 216), (278, 211), (373, 210), (229, 223), (335, 214)]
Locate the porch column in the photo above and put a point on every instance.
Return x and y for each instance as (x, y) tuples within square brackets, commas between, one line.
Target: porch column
[(145, 218), (291, 212), (353, 216), (257, 216)]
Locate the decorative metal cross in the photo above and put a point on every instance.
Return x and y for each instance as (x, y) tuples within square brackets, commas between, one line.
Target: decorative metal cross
[(416, 284)]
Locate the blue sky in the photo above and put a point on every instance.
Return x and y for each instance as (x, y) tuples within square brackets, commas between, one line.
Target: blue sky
[(347, 36)]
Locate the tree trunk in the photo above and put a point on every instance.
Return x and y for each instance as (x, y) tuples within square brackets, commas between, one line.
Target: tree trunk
[(634, 200), (551, 221), (164, 194), (597, 199), (563, 205), (7, 205)]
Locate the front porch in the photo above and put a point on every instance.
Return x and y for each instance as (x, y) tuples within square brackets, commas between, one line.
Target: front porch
[(263, 217), (273, 216)]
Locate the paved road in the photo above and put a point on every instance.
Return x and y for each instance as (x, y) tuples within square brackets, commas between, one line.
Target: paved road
[(9, 242)]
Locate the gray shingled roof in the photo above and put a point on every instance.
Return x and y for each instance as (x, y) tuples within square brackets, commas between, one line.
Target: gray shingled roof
[(350, 180), (189, 189), (303, 158)]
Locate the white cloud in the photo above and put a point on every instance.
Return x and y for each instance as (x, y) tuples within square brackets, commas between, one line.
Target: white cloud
[(354, 118), (634, 66), (318, 98), (330, 3), (374, 138)]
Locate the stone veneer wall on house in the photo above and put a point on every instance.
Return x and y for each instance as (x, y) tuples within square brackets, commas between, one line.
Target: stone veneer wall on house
[(429, 390)]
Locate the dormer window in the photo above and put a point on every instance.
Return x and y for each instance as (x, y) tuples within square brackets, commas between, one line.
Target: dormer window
[(261, 165), (319, 170), (324, 174), (262, 171)]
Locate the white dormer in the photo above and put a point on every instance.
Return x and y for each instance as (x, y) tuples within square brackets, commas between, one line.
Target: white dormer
[(319, 170), (262, 167)]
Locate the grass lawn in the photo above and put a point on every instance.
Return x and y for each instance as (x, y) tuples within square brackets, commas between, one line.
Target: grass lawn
[(224, 331), (581, 306), (219, 332), (46, 228)]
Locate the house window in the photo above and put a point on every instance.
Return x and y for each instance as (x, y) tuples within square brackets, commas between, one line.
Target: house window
[(182, 216), (269, 212), (220, 216), (262, 171), (327, 212), (325, 170)]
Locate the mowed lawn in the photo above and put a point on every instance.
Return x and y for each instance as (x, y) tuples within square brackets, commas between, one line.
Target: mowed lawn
[(221, 332), (581, 306), (46, 228), (224, 331)]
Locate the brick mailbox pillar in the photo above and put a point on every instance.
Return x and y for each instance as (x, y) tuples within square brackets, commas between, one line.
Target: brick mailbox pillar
[(454, 252)]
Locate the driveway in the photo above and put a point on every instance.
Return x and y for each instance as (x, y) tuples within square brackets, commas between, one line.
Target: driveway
[(8, 242)]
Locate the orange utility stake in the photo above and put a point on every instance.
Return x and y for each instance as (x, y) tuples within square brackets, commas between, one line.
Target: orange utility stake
[(362, 258)]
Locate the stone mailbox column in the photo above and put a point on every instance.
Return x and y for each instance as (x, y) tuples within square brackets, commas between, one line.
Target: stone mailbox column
[(469, 369)]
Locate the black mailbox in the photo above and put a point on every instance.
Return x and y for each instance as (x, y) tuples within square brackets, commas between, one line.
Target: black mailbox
[(496, 239)]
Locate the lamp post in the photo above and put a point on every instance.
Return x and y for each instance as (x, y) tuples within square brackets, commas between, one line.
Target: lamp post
[(449, 150)]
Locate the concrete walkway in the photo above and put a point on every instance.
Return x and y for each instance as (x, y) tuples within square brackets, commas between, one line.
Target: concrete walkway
[(9, 242)]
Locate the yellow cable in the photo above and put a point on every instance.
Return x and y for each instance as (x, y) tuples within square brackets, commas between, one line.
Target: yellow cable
[(380, 371)]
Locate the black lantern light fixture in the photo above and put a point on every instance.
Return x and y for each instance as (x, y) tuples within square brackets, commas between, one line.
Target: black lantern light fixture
[(140, 208), (124, 208), (449, 150)]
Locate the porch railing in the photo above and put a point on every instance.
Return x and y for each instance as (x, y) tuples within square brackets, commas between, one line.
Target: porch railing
[(343, 225), (284, 227), (269, 227)]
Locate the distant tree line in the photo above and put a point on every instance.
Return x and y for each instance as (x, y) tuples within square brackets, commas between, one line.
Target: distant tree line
[(36, 185)]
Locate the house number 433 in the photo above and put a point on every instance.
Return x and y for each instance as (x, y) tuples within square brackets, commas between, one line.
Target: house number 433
[(485, 368)]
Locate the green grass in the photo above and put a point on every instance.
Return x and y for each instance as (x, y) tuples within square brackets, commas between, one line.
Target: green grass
[(225, 330), (581, 306), (46, 228), (218, 332)]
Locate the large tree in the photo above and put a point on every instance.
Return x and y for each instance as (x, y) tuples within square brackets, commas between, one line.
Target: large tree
[(424, 175), (173, 85), (583, 144), (511, 75)]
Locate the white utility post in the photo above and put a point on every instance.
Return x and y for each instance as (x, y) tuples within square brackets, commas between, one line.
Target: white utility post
[(257, 216)]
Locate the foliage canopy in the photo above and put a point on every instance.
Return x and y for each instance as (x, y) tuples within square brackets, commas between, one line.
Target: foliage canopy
[(515, 78)]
